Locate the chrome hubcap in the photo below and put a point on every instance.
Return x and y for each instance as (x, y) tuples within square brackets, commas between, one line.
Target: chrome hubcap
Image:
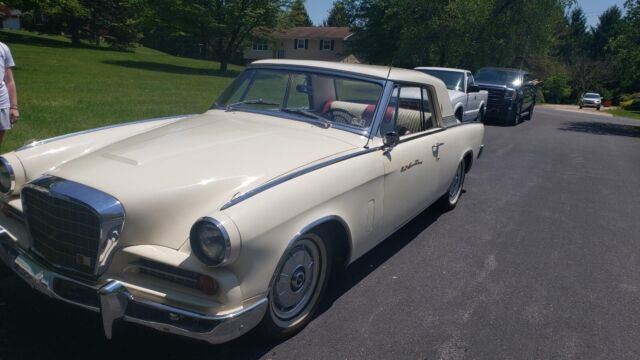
[(456, 185), (297, 280)]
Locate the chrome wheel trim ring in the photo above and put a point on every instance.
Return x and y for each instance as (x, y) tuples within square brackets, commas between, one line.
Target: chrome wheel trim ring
[(456, 185), (298, 280)]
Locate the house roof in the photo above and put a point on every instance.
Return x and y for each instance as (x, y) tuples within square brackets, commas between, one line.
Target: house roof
[(313, 33)]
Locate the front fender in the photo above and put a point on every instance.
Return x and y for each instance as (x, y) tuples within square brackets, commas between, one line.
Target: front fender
[(351, 191)]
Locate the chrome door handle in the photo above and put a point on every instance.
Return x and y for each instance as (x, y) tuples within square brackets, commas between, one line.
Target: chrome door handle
[(435, 149)]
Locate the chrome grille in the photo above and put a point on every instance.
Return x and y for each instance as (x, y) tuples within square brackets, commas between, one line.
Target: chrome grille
[(73, 226), (65, 233), (496, 97)]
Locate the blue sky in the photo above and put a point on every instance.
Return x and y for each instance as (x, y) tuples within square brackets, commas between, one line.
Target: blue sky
[(318, 9)]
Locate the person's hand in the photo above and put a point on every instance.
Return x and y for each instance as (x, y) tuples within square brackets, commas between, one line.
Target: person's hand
[(14, 115)]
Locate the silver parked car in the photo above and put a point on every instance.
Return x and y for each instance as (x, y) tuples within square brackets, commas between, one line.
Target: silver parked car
[(593, 100)]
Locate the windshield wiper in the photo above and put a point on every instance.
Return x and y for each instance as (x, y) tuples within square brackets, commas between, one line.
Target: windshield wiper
[(319, 119), (250, 102)]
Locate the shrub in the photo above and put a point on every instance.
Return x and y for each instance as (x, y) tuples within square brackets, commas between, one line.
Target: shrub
[(556, 89)]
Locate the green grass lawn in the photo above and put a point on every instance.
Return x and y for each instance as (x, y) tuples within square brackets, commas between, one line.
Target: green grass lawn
[(625, 113), (62, 88)]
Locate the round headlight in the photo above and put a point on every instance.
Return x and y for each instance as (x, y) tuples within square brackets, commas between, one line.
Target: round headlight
[(210, 242), (7, 177)]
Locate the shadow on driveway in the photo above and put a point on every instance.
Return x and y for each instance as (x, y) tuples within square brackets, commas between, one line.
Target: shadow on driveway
[(600, 128)]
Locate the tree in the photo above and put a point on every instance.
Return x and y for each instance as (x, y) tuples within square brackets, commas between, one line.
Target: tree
[(625, 49), (609, 26), (461, 33), (298, 15), (88, 19), (338, 16), (219, 27)]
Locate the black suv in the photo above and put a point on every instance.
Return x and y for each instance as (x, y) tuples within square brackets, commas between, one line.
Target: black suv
[(512, 94)]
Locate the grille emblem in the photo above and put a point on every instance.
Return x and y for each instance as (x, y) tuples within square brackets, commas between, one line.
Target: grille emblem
[(83, 260)]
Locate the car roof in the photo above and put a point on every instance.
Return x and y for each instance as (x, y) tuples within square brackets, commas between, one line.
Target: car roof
[(440, 69), (376, 71)]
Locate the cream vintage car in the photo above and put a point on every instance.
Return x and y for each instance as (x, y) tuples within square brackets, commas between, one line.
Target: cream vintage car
[(209, 226)]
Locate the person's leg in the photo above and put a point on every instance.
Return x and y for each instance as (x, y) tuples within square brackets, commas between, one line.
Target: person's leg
[(5, 124)]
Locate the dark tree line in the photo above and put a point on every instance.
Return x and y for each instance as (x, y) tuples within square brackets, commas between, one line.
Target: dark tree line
[(211, 29), (549, 37)]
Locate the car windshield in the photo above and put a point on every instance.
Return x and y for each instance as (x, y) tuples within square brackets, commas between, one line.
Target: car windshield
[(452, 79), (325, 99), (592, 96), (499, 76)]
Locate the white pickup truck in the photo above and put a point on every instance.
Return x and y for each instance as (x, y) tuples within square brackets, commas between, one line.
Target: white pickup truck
[(469, 102)]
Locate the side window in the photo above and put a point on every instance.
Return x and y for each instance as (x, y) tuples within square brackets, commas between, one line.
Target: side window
[(471, 80), (409, 111)]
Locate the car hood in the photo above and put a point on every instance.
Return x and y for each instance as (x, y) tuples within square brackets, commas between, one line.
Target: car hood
[(190, 168)]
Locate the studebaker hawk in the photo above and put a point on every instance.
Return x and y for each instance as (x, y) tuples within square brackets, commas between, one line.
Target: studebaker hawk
[(209, 226)]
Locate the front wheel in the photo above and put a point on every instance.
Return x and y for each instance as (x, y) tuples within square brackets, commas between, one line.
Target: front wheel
[(530, 114), (298, 286), (450, 200)]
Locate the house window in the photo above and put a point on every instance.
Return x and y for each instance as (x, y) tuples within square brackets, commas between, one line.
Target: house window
[(301, 43), (260, 45), (327, 45)]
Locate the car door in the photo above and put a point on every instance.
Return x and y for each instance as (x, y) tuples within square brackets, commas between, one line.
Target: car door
[(411, 171), (473, 101)]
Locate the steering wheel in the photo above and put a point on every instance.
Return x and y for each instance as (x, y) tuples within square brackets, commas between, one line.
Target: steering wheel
[(344, 117)]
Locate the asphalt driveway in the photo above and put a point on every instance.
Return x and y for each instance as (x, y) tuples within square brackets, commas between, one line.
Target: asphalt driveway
[(541, 260)]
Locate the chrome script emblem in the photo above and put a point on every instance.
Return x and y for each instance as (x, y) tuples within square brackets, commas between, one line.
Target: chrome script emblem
[(410, 165)]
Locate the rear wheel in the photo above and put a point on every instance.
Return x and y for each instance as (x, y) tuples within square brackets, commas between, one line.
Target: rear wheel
[(450, 200), (298, 285)]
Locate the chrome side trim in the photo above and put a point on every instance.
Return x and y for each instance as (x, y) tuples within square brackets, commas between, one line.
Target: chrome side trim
[(108, 209), (35, 143), (12, 176), (290, 176)]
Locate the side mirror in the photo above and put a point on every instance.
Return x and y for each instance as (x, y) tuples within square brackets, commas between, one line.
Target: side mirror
[(473, 88), (391, 139)]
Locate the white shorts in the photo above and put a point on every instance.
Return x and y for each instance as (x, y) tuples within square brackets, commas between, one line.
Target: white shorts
[(5, 119)]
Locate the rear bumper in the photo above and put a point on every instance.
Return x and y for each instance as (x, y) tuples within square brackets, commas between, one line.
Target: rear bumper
[(115, 303)]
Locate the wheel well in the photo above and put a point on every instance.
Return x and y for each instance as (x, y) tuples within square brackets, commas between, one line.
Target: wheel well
[(459, 113), (340, 239), (468, 161)]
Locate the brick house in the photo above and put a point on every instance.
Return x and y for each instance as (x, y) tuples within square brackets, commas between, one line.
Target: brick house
[(304, 43)]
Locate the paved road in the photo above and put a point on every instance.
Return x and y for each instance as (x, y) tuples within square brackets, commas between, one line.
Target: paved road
[(541, 260)]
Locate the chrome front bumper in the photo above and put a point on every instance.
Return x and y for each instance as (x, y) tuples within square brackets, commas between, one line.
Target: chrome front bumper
[(115, 303)]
